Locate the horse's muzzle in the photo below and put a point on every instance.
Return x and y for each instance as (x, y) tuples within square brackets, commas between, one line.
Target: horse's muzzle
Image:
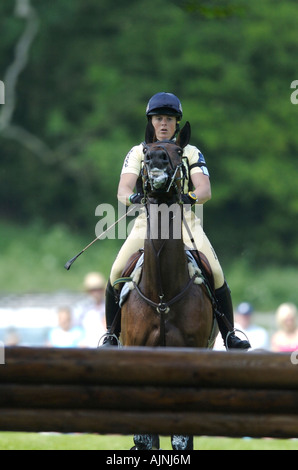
[(158, 178)]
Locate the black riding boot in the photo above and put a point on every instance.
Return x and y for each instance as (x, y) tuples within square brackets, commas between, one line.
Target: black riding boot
[(112, 307), (223, 297)]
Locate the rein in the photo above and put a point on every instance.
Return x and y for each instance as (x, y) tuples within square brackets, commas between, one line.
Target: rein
[(212, 297)]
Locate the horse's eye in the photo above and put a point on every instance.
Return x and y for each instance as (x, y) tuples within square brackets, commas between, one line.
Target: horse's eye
[(180, 151), (145, 150)]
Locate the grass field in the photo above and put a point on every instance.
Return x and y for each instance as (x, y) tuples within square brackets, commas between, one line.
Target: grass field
[(52, 441)]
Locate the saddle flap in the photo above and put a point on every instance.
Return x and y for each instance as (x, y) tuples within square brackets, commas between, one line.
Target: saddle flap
[(199, 257), (131, 263), (130, 275), (204, 265)]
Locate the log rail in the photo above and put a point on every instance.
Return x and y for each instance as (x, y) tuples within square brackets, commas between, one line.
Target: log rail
[(155, 390)]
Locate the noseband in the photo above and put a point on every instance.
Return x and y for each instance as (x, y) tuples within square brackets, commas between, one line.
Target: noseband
[(158, 180)]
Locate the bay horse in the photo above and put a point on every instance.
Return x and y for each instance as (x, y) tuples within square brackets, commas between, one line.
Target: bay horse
[(166, 308)]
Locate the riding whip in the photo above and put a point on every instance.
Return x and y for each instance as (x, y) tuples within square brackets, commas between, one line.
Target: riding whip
[(72, 260)]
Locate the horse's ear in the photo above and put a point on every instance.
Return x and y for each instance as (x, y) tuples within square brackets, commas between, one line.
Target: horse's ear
[(149, 133), (184, 135)]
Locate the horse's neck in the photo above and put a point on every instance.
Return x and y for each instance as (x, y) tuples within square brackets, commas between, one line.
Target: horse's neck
[(165, 265)]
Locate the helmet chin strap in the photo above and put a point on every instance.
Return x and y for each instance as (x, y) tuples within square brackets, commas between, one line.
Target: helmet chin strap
[(177, 129)]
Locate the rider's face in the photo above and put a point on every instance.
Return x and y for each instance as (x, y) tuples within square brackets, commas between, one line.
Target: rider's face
[(165, 126)]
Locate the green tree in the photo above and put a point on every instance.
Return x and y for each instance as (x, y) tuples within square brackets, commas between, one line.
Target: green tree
[(81, 97)]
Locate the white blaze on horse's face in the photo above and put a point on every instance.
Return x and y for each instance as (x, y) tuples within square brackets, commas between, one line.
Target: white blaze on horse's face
[(162, 161), (158, 167), (158, 178)]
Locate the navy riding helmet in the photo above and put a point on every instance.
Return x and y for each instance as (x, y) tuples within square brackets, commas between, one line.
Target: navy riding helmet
[(164, 103)]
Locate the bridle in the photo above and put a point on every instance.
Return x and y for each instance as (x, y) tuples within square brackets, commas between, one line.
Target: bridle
[(162, 180)]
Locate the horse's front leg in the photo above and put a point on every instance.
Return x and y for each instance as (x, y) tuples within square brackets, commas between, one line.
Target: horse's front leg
[(182, 442), (143, 441), (146, 442)]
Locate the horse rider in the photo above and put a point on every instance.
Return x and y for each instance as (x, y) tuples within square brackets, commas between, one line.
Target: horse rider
[(165, 112)]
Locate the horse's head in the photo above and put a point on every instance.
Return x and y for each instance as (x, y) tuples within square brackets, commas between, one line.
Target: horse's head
[(163, 166)]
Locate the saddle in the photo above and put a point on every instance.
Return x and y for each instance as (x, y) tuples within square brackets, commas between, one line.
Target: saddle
[(205, 267), (199, 258), (131, 263)]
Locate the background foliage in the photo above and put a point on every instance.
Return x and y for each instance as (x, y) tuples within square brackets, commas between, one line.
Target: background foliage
[(80, 105)]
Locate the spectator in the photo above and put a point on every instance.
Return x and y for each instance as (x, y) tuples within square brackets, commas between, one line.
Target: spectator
[(257, 336), (65, 335), (90, 315), (286, 337), (12, 337)]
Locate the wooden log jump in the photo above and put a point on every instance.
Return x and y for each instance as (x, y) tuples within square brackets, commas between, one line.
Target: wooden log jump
[(156, 390)]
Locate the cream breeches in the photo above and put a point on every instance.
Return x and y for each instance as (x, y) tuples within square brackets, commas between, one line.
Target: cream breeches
[(135, 241)]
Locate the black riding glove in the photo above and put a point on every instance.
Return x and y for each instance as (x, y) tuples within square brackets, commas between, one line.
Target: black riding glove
[(188, 199), (136, 198)]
